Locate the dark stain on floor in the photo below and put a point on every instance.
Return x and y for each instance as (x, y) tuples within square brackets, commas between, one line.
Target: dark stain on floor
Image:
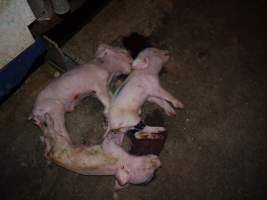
[(147, 146), (135, 43)]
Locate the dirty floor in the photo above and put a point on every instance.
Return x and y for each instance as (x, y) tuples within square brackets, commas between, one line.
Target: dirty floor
[(216, 146)]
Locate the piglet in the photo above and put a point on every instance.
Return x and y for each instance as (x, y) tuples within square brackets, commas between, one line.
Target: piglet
[(65, 92), (141, 85), (105, 159)]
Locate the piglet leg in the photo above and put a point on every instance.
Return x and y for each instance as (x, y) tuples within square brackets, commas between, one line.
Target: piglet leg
[(117, 186), (59, 123), (163, 94), (117, 138), (104, 97), (150, 132), (163, 104)]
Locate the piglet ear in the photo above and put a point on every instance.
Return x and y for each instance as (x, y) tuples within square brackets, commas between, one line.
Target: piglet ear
[(122, 176), (102, 50), (140, 63)]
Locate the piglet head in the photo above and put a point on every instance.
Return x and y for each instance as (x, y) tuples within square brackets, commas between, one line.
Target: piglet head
[(137, 170), (151, 58), (118, 60)]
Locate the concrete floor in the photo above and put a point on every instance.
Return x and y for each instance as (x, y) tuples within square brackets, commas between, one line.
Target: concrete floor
[(216, 146)]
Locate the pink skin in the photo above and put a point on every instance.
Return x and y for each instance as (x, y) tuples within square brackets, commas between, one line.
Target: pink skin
[(65, 92), (105, 159), (142, 85)]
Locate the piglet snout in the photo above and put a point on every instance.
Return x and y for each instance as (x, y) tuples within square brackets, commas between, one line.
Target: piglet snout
[(166, 53)]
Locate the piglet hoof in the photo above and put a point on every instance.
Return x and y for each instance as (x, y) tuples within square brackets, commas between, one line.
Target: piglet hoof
[(178, 104), (42, 139), (118, 187), (171, 113), (148, 136), (30, 117), (48, 162), (115, 195)]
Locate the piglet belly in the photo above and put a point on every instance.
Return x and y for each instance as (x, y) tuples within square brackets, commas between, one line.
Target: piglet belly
[(69, 87), (123, 118)]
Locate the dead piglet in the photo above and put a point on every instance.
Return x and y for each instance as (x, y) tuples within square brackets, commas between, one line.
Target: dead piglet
[(142, 85), (105, 159), (65, 92)]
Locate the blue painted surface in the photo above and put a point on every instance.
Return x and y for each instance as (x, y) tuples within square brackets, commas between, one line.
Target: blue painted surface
[(14, 72)]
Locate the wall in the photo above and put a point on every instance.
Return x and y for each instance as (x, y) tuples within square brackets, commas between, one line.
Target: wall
[(15, 16)]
